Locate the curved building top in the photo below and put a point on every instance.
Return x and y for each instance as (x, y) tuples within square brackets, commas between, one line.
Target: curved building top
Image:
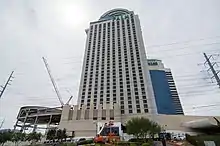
[(115, 13)]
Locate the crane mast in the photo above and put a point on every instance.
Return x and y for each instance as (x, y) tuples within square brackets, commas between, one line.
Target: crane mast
[(53, 81)]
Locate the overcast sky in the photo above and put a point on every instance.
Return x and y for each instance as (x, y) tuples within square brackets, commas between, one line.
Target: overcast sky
[(176, 31)]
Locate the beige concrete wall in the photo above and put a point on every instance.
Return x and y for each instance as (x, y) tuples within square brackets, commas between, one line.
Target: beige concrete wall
[(84, 127), (80, 127)]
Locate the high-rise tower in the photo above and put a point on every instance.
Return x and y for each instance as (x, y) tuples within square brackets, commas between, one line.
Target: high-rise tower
[(165, 92), (114, 68)]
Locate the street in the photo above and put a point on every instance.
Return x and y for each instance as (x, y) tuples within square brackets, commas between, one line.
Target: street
[(158, 143)]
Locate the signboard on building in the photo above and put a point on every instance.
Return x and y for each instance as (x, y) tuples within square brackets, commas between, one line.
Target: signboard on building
[(152, 63), (120, 17)]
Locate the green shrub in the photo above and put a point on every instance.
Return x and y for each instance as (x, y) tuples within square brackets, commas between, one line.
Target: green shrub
[(146, 144), (133, 144), (127, 143), (68, 144), (121, 143), (199, 140), (137, 140), (191, 140), (71, 144), (85, 142)]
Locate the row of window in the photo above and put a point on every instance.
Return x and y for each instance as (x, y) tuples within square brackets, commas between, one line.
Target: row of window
[(108, 56)]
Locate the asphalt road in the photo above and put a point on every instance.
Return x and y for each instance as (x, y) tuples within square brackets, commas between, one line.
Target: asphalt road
[(158, 143)]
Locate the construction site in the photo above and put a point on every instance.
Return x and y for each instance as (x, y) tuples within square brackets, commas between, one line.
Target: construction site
[(87, 122)]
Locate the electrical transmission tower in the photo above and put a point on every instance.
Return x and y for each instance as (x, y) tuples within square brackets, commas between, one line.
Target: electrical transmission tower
[(212, 65), (6, 84)]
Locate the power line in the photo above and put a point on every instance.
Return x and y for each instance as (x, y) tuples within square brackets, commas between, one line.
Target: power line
[(175, 43), (182, 96), (205, 106), (183, 106), (197, 94), (171, 49), (196, 85)]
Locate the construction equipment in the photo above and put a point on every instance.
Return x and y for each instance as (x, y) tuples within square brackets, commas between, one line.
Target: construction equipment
[(55, 85), (109, 132)]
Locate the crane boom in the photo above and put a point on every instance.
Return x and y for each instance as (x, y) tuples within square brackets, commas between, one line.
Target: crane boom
[(69, 100), (53, 81)]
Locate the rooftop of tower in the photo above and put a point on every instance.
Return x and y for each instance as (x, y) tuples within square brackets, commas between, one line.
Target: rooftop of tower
[(114, 13)]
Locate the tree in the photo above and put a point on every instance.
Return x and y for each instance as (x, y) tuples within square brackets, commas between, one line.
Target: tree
[(5, 136), (33, 137), (154, 129), (59, 134), (64, 135), (56, 134), (142, 127), (18, 137), (51, 134), (38, 138)]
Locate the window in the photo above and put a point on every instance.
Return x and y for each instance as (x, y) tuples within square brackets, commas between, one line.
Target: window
[(146, 110)]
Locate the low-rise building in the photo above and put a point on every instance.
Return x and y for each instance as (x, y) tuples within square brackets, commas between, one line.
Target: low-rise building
[(83, 122)]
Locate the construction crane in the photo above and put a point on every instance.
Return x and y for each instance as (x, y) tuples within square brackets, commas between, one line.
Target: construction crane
[(54, 84)]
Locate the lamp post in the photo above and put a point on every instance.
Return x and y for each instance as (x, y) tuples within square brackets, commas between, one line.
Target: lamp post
[(96, 127), (163, 138)]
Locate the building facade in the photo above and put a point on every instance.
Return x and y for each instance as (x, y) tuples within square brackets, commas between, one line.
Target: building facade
[(114, 68), (83, 122), (165, 92)]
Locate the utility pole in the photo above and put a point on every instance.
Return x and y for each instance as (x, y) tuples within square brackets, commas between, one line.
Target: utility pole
[(2, 123), (211, 67), (6, 84)]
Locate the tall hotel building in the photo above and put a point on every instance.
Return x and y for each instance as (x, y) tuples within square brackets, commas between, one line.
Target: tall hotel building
[(115, 68), (119, 83), (165, 92)]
